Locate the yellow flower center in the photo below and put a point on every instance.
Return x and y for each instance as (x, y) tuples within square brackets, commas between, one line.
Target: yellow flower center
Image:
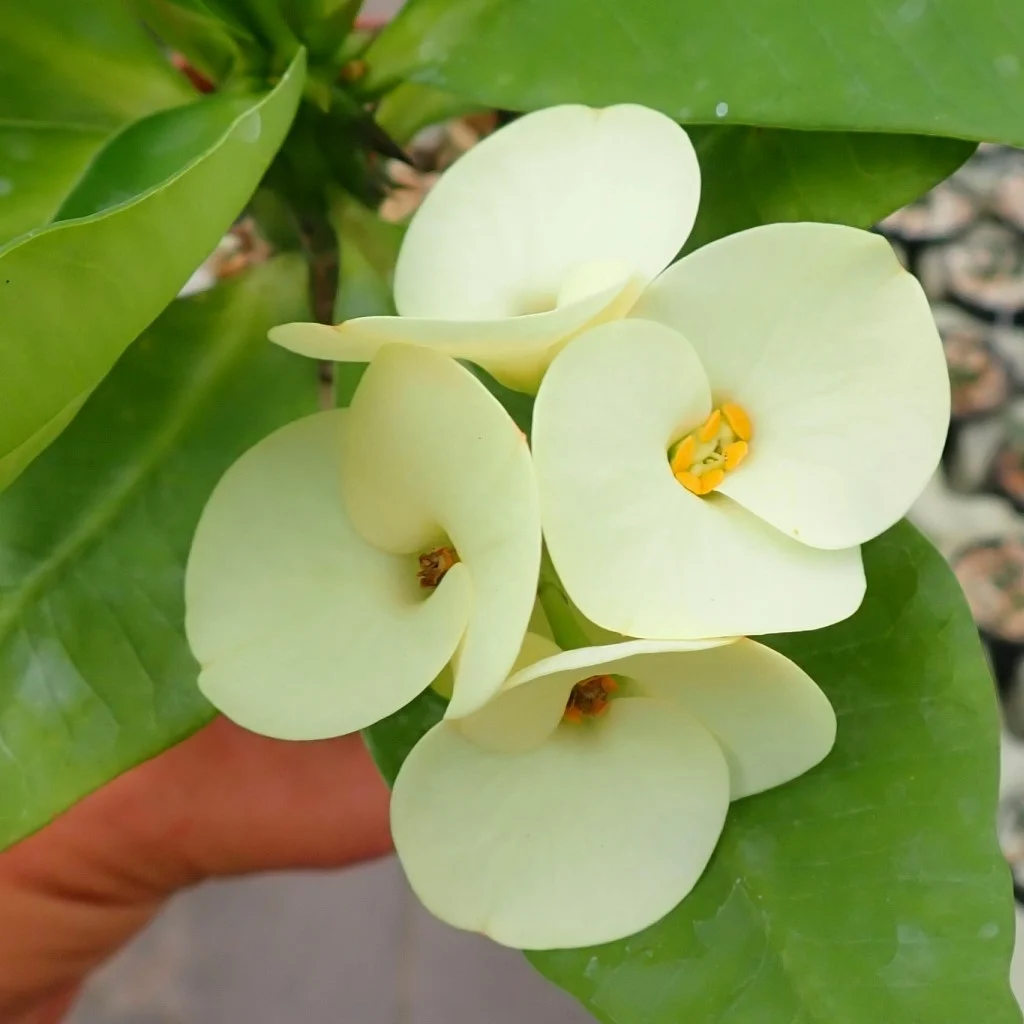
[(701, 460), (589, 698), (435, 564)]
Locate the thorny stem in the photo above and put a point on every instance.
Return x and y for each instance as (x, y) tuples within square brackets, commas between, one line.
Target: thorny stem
[(565, 628)]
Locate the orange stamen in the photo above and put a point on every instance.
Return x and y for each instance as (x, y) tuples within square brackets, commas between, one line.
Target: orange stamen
[(735, 453), (711, 479), (685, 451), (710, 429), (701, 460), (434, 565), (589, 698), (737, 418), (690, 482)]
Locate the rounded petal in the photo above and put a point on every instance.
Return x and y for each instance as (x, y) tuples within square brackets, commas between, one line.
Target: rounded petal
[(556, 190), (302, 629), (606, 659), (770, 718), (432, 457), (533, 700), (514, 350), (511, 844), (522, 717), (637, 552), (829, 344)]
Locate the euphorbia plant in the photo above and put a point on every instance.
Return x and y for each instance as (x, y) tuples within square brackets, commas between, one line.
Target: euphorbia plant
[(720, 445)]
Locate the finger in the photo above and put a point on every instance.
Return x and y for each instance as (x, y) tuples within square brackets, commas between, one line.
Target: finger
[(234, 802), (50, 1010), (224, 802)]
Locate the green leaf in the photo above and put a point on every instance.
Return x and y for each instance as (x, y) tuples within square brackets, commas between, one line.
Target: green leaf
[(152, 151), (267, 20), (870, 889), (81, 63), (39, 165), (95, 673), (211, 46), (324, 26), (760, 175), (75, 294), (391, 740), (931, 67), (750, 175), (70, 76)]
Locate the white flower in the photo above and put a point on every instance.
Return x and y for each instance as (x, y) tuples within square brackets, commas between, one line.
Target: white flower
[(804, 352), (549, 225), (584, 802), (344, 560), (710, 465)]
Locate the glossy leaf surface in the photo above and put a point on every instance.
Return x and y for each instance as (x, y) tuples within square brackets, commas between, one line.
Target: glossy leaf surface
[(70, 76), (95, 673), (933, 67), (762, 175), (75, 294), (87, 64)]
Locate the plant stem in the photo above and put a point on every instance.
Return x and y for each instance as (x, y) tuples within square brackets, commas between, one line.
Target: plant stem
[(321, 249)]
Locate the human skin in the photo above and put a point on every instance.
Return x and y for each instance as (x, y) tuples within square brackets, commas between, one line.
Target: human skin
[(223, 803)]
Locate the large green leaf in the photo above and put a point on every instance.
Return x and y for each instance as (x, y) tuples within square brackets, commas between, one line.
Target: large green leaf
[(81, 63), (75, 294), (39, 165), (762, 175), (152, 151), (934, 67), (95, 673), (752, 175), (871, 889), (70, 76)]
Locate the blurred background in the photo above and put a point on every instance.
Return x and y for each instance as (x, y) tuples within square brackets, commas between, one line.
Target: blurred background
[(356, 947)]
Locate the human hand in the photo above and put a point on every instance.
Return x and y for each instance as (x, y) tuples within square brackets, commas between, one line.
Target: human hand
[(224, 802)]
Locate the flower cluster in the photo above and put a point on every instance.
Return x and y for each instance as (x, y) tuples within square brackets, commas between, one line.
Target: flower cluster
[(711, 443)]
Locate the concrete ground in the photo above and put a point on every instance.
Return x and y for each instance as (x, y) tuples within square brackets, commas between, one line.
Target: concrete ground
[(341, 948)]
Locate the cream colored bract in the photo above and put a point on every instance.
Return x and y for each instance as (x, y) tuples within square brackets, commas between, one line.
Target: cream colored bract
[(818, 334), (304, 607), (504, 819), (829, 344), (552, 224)]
